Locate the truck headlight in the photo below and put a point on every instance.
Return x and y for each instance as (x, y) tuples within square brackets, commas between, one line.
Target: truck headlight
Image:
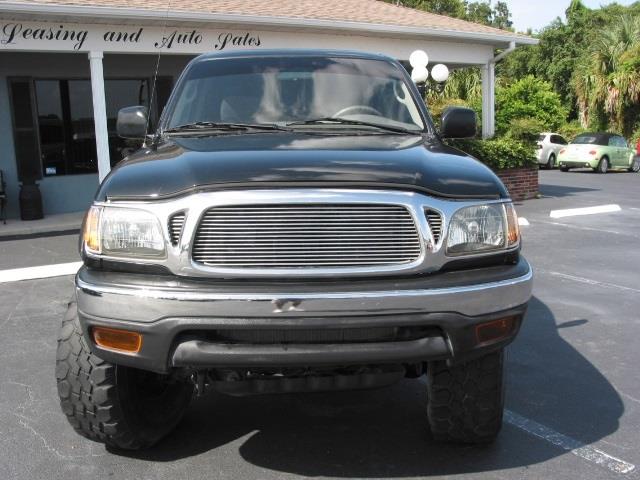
[(482, 228), (123, 232)]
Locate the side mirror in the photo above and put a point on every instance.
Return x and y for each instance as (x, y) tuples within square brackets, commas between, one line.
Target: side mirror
[(132, 122), (458, 122)]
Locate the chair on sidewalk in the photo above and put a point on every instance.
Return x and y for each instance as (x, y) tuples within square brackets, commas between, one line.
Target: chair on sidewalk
[(3, 198)]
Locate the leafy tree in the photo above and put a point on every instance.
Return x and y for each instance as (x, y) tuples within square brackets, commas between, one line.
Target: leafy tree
[(502, 16), (607, 81), (482, 12), (476, 11), (529, 98)]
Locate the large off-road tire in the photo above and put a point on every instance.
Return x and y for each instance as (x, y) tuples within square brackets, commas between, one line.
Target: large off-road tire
[(120, 406), (466, 401)]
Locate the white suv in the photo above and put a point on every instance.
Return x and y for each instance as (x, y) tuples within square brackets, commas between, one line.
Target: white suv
[(549, 145)]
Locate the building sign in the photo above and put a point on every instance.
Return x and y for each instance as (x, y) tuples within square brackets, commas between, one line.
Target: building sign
[(82, 37), (15, 35)]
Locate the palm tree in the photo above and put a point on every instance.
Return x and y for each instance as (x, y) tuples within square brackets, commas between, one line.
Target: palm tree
[(607, 83), (465, 84)]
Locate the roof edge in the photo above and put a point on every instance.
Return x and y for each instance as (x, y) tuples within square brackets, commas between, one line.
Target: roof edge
[(84, 11)]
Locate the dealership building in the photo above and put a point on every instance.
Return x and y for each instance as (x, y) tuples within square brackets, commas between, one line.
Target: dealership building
[(68, 66)]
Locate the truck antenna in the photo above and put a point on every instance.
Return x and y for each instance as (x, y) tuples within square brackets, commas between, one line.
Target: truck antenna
[(155, 74)]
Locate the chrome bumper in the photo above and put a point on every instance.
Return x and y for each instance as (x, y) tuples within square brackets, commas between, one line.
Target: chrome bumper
[(112, 296), (174, 316)]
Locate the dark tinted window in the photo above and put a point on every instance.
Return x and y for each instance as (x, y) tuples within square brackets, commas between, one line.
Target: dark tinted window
[(66, 126), (557, 139), (25, 134), (593, 139)]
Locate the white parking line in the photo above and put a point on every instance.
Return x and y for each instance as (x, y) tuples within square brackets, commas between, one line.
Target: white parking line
[(587, 281), (44, 271), (586, 452), (523, 222), (571, 212)]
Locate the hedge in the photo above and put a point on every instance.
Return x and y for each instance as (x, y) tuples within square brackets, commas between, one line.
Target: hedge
[(499, 153)]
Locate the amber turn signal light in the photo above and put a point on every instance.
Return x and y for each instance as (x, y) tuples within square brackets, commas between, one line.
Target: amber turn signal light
[(118, 340), (91, 234), (512, 224), (494, 330)]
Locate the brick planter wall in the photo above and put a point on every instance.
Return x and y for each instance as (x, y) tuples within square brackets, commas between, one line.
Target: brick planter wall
[(522, 183)]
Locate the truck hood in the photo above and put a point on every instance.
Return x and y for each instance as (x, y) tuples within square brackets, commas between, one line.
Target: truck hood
[(181, 165)]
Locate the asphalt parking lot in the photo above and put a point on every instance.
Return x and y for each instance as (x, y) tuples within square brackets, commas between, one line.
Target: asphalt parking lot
[(573, 395)]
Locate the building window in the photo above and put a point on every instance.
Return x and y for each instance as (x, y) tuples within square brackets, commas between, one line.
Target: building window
[(66, 127), (53, 126)]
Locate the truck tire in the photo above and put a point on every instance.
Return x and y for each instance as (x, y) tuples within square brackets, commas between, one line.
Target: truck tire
[(466, 401), (120, 406)]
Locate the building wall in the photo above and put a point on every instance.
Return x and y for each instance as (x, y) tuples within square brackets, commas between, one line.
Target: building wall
[(68, 193)]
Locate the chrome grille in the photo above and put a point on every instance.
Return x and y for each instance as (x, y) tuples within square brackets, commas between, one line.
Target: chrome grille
[(306, 236), (434, 219), (176, 223)]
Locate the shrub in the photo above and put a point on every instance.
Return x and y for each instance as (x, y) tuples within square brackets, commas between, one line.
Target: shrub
[(525, 129), (529, 98), (498, 153), (571, 130)]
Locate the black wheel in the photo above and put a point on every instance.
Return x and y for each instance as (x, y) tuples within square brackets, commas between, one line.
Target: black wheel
[(120, 406), (635, 165), (564, 169), (551, 162), (466, 401), (603, 165)]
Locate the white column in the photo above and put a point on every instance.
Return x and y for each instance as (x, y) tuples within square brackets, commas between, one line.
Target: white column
[(492, 99), (100, 114), (486, 101)]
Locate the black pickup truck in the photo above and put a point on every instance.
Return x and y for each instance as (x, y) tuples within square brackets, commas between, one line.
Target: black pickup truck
[(296, 223)]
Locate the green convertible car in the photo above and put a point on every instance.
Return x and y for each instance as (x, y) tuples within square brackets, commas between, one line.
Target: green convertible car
[(599, 151)]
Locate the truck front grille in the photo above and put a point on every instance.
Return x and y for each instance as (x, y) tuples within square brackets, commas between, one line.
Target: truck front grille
[(306, 236)]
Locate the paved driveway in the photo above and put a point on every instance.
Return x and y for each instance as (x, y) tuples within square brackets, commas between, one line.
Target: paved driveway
[(573, 392)]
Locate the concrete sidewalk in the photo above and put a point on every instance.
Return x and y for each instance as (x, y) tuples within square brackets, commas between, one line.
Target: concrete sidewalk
[(50, 224)]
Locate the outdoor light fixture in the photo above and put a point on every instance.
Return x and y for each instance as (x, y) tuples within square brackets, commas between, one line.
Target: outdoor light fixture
[(440, 73), (420, 74)]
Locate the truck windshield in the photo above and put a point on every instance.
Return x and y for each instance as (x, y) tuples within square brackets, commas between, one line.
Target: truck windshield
[(298, 92)]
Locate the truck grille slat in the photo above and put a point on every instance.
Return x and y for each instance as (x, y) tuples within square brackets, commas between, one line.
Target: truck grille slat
[(311, 236), (176, 224), (434, 219)]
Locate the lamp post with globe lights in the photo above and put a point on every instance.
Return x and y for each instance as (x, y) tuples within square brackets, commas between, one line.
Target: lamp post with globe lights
[(420, 74)]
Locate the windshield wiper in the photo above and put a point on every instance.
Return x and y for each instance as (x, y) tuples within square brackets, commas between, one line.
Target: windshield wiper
[(222, 126), (346, 121)]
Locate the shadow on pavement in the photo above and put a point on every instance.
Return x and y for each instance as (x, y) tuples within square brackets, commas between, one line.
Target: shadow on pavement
[(382, 433), (562, 190)]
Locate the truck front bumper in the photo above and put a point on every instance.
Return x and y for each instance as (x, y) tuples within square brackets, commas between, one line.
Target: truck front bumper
[(178, 318)]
